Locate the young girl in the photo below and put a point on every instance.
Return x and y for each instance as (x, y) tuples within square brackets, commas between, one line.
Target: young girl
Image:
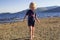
[(31, 19)]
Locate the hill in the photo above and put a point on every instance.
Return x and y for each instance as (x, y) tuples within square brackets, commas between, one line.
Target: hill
[(39, 11)]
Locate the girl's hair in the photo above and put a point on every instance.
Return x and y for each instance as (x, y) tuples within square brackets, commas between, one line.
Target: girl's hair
[(32, 4)]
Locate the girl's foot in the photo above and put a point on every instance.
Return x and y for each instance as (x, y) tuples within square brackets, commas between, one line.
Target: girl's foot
[(33, 36)]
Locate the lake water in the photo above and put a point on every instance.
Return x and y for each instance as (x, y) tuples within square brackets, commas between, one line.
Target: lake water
[(46, 15), (19, 17)]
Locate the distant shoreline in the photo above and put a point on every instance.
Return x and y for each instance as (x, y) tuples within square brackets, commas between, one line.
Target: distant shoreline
[(13, 21)]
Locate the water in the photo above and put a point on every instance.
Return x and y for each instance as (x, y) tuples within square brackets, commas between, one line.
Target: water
[(46, 15), (20, 16)]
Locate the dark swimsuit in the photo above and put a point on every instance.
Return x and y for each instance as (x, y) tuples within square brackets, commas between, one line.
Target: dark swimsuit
[(31, 18)]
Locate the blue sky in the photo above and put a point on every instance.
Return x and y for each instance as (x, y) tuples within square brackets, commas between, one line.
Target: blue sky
[(19, 5)]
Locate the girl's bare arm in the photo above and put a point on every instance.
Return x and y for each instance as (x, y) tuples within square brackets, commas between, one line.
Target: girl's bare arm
[(24, 17), (37, 20)]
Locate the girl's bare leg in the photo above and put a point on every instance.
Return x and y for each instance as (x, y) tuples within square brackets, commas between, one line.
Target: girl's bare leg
[(31, 37), (33, 30)]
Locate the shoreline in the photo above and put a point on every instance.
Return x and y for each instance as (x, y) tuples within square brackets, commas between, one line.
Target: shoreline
[(1, 22)]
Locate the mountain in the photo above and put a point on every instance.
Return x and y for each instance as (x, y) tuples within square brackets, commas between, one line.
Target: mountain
[(49, 9), (57, 9), (21, 14)]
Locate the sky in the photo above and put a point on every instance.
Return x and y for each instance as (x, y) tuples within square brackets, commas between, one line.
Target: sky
[(13, 6)]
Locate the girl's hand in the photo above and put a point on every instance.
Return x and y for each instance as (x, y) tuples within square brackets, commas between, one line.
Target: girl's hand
[(23, 20), (39, 21)]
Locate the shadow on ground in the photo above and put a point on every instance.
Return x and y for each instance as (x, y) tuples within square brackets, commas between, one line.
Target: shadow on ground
[(25, 38)]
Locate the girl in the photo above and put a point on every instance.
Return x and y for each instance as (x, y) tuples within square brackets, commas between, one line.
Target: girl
[(31, 19)]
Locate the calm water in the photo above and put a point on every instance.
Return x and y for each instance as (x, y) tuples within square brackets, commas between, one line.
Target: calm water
[(45, 15), (19, 17)]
